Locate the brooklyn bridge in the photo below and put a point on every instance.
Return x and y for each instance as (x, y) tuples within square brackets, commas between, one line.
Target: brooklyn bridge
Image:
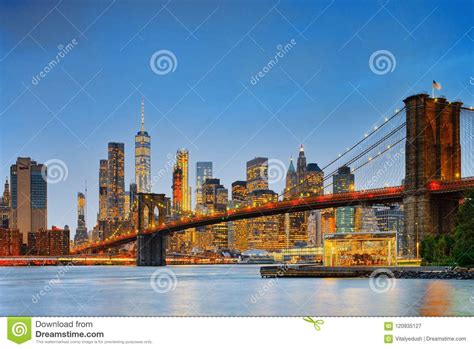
[(422, 155)]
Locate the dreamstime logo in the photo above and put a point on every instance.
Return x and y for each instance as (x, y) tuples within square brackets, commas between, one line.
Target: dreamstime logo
[(163, 62), (63, 51), (274, 172), (52, 282), (382, 280), (54, 171), (163, 281), (471, 80), (382, 62), (19, 329), (282, 51)]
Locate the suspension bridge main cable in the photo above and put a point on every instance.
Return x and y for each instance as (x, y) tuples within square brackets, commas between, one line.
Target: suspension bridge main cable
[(367, 136)]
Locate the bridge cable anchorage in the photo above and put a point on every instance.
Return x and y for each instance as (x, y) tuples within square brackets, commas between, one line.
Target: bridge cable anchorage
[(358, 156)]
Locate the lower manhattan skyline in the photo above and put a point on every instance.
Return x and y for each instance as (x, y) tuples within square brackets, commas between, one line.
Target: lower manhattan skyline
[(251, 95), (243, 166)]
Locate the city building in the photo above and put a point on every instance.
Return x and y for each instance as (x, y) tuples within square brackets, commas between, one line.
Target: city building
[(239, 193), (143, 157), (49, 242), (133, 195), (263, 232), (10, 242), (29, 202), (215, 200), (203, 172), (181, 186), (177, 188), (103, 184), (343, 182), (257, 174), (116, 181), (81, 236), (5, 206), (291, 189), (313, 180), (392, 219), (301, 168), (238, 229)]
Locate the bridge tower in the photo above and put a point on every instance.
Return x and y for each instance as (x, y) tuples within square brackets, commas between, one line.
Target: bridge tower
[(151, 248), (433, 152)]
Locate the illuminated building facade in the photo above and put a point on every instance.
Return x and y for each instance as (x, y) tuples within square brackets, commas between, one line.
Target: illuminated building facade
[(5, 206), (177, 189), (291, 189), (49, 242), (343, 182), (257, 174), (203, 172), (239, 192), (116, 181), (28, 196), (143, 157), (215, 200), (263, 232), (182, 164), (10, 242), (81, 230), (238, 230), (103, 184)]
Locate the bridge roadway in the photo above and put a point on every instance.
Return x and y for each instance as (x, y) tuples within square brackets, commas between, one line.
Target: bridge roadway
[(385, 195)]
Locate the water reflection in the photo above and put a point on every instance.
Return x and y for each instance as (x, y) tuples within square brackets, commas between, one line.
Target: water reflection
[(222, 291)]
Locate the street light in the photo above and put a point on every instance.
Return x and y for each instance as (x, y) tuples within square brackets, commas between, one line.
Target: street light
[(417, 242)]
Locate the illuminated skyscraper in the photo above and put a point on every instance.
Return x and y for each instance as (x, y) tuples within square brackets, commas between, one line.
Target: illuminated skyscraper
[(343, 182), (103, 183), (291, 190), (5, 206), (313, 177), (239, 192), (182, 163), (257, 174), (301, 168), (116, 181), (177, 189), (143, 157), (203, 172), (81, 231), (28, 196)]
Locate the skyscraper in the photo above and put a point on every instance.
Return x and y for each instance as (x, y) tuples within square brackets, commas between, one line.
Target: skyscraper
[(203, 172), (5, 206), (81, 230), (116, 181), (143, 157), (257, 174), (182, 163), (103, 183), (28, 196), (343, 181), (314, 180), (239, 192), (177, 189), (301, 168), (291, 190)]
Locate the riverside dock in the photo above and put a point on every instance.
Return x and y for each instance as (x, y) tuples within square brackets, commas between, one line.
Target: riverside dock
[(399, 272)]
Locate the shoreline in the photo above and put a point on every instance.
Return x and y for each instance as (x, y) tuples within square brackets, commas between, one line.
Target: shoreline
[(408, 272)]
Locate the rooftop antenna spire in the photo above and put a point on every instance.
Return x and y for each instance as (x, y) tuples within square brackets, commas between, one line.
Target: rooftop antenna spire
[(143, 115)]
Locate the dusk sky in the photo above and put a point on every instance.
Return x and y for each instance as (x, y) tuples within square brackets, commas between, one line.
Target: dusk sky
[(322, 92)]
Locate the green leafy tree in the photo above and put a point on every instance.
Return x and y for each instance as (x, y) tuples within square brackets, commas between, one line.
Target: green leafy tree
[(427, 249), (463, 251)]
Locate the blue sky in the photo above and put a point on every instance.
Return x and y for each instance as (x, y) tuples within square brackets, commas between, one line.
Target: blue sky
[(322, 91)]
